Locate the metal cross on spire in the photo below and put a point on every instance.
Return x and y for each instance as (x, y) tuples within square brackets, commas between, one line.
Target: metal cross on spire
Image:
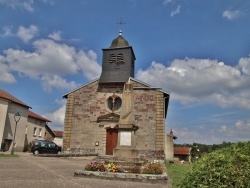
[(120, 23)]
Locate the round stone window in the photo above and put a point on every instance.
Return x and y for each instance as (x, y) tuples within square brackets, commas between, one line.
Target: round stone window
[(114, 103)]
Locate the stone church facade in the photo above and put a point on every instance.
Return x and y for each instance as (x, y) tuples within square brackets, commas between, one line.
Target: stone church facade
[(116, 114)]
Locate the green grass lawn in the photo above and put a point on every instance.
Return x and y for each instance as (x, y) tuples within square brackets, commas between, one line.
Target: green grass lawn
[(176, 172)]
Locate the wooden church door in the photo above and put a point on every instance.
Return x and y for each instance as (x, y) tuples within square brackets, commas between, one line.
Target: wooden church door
[(111, 141)]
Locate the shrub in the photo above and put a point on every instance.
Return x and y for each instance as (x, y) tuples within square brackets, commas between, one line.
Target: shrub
[(135, 169), (153, 168), (227, 167)]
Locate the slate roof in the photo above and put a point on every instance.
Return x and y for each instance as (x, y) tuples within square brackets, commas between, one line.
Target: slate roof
[(119, 42), (182, 150), (36, 116), (6, 95)]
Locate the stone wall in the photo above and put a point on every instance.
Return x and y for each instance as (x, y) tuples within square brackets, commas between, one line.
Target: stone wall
[(86, 104)]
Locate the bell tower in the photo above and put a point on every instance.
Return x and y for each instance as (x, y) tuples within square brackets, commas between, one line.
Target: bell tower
[(118, 61)]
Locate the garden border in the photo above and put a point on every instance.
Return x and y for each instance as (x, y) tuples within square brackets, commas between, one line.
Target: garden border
[(147, 178)]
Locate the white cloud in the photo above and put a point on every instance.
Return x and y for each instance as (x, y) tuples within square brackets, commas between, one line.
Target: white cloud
[(165, 2), (57, 118), (25, 4), (50, 62), (230, 15), (176, 11), (60, 102), (28, 5), (52, 2), (7, 31), (6, 76), (243, 126), (244, 65), (185, 133), (202, 81), (238, 131), (56, 36), (87, 63), (27, 34), (50, 81), (223, 129)]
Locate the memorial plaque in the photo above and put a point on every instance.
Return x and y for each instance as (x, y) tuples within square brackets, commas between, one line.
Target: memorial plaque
[(125, 139)]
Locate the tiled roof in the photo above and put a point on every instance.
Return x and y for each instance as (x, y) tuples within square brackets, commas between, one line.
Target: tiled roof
[(182, 151), (32, 114), (6, 95), (58, 133)]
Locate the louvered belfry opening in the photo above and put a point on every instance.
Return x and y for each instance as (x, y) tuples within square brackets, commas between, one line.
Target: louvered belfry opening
[(116, 58)]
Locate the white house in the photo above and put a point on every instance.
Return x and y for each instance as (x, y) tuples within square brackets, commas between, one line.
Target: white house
[(30, 126)]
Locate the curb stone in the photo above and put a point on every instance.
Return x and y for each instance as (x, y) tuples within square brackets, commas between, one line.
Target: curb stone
[(146, 178)]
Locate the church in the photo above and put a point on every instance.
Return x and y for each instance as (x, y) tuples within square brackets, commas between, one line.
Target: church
[(116, 114)]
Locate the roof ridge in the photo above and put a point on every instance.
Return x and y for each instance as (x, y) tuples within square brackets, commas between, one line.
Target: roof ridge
[(4, 94), (34, 115)]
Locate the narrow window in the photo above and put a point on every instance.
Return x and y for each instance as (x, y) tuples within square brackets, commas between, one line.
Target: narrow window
[(34, 131), (40, 132)]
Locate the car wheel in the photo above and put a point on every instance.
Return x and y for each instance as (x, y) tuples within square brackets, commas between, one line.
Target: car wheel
[(36, 152), (59, 152)]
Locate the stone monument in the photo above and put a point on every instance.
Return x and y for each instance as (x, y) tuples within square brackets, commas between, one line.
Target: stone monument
[(126, 147)]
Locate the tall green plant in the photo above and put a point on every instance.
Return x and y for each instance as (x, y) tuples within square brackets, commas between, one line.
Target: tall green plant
[(228, 167)]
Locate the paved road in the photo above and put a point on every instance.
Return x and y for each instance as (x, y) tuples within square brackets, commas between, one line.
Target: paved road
[(28, 171)]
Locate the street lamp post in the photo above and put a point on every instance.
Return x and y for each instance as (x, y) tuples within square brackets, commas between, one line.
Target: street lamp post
[(17, 118)]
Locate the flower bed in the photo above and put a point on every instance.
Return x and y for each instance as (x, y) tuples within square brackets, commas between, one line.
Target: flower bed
[(149, 168)]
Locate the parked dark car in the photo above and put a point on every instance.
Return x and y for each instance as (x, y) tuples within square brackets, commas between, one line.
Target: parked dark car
[(44, 146)]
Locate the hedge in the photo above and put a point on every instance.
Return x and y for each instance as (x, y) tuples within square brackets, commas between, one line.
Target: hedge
[(227, 167)]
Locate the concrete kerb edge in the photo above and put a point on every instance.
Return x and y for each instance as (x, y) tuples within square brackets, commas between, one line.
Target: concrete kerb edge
[(147, 178)]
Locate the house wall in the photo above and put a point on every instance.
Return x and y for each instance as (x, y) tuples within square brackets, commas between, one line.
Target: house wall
[(3, 113), (169, 148), (58, 141), (10, 125), (181, 157), (24, 129), (37, 124), (86, 104)]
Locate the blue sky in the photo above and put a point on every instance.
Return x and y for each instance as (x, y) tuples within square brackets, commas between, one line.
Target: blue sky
[(197, 50)]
